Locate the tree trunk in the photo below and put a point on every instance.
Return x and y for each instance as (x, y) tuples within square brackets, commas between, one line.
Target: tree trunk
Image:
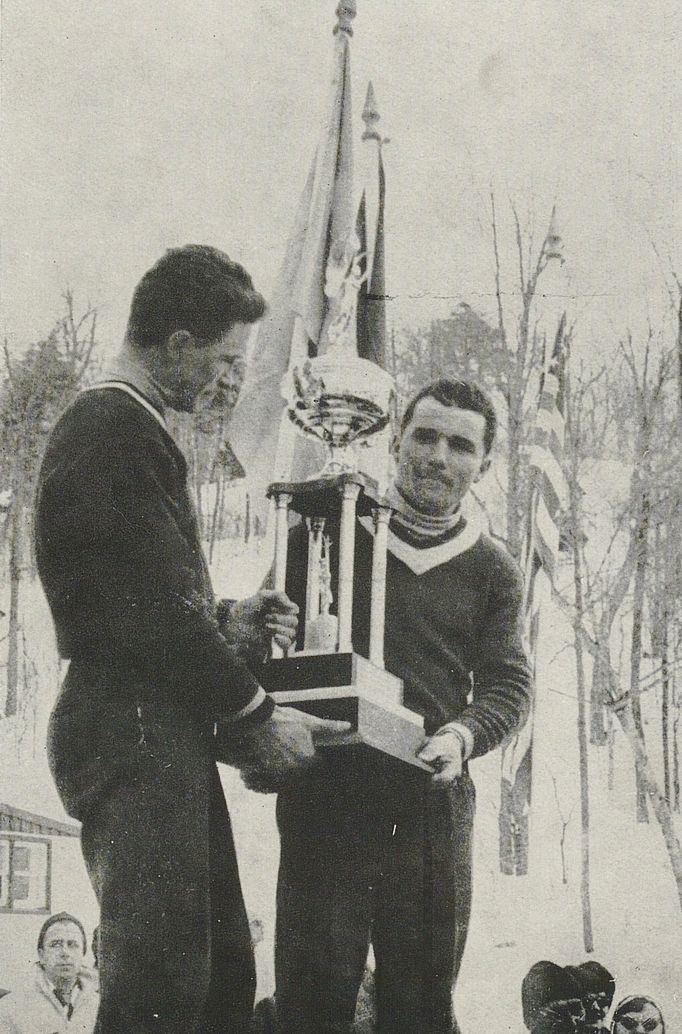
[(598, 735), (665, 708), (15, 561), (658, 801), (513, 482), (676, 766), (612, 766), (675, 731), (636, 651), (623, 712)]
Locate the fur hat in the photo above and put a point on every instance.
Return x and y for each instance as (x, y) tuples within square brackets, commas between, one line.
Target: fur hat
[(543, 984)]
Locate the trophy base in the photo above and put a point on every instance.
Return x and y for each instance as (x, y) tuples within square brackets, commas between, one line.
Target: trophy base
[(376, 728), (347, 687)]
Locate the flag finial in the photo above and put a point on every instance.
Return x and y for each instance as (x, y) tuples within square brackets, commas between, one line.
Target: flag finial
[(553, 242), (370, 115), (345, 13)]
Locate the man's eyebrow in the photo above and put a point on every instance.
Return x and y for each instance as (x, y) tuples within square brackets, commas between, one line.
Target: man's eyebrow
[(458, 439)]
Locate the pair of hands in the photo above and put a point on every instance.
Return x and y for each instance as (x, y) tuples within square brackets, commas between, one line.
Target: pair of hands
[(284, 746)]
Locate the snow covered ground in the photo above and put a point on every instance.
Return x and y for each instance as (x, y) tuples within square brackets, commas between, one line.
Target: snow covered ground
[(516, 921)]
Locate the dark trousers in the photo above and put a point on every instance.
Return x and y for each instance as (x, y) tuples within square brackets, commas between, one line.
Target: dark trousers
[(175, 945), (361, 863)]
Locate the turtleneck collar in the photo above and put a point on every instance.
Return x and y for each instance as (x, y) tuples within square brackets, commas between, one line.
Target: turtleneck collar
[(418, 522)]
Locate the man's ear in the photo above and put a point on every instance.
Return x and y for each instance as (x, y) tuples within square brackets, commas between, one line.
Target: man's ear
[(177, 344), (485, 466)]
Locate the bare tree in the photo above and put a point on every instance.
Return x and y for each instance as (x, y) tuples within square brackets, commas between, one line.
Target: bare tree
[(565, 823), (37, 386)]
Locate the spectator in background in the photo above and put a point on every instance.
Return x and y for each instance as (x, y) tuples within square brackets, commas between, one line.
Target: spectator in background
[(637, 1015), (61, 996), (551, 1000), (598, 988)]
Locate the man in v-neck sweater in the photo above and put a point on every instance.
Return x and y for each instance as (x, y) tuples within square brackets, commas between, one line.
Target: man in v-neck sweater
[(155, 661), (370, 853)]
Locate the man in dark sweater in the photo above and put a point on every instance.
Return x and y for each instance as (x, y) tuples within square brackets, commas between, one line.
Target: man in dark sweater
[(370, 853), (155, 661)]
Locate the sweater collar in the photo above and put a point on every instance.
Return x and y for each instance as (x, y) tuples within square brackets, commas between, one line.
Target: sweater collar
[(128, 370)]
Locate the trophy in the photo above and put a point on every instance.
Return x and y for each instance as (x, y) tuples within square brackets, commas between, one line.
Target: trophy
[(341, 400)]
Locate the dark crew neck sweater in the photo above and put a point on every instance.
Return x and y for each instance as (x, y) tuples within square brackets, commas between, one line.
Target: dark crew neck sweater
[(120, 560)]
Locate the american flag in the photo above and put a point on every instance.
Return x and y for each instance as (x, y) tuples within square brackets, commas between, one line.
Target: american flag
[(547, 502)]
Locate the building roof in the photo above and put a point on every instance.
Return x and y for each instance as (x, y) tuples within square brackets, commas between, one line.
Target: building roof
[(15, 820)]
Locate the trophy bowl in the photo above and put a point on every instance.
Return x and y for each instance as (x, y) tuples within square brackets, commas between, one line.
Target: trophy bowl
[(339, 399)]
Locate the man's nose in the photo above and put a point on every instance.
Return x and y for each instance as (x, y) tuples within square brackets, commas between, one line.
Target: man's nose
[(439, 452)]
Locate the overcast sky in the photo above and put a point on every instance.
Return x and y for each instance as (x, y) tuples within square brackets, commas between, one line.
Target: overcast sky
[(133, 125)]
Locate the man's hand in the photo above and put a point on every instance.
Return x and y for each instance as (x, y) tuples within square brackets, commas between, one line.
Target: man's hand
[(445, 751), (253, 622), (270, 754)]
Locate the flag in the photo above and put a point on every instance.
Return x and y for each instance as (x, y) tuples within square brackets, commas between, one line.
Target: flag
[(294, 328), (547, 501), (372, 299)]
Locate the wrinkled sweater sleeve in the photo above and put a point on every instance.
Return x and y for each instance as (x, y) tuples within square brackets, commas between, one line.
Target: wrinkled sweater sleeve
[(502, 681), (126, 578)]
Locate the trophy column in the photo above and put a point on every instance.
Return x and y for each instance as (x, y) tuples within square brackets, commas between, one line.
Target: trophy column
[(349, 498)]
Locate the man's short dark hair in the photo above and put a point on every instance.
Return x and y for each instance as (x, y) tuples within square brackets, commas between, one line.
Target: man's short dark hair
[(61, 917), (195, 288), (463, 395)]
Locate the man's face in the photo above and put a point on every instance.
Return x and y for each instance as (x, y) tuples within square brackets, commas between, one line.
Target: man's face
[(203, 369), (647, 1021), (440, 456), (62, 953)]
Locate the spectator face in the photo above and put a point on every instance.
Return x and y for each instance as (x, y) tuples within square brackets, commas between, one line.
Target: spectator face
[(62, 953), (647, 1020), (440, 455)]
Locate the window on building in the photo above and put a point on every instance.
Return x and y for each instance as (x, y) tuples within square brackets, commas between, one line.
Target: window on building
[(24, 874)]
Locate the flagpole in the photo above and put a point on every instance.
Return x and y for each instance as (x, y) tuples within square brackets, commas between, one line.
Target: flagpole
[(371, 324), (372, 137)]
